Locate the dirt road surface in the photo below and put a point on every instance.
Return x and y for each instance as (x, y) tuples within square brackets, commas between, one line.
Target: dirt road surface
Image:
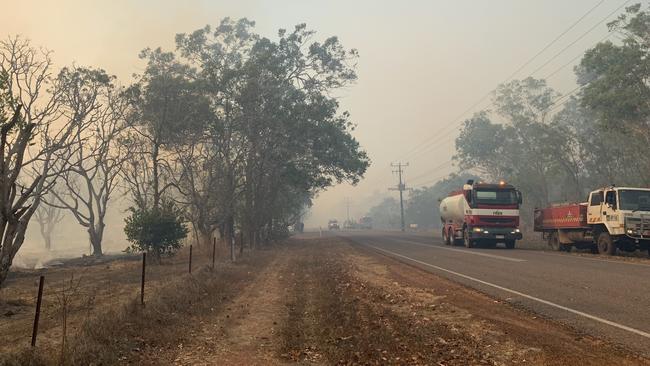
[(326, 301)]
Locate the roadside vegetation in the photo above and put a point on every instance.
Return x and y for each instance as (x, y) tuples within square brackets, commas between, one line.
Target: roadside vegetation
[(557, 147), (230, 134)]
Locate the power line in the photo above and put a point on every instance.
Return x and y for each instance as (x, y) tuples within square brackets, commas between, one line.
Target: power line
[(437, 167), (430, 143), (436, 138), (553, 73), (556, 39), (551, 107), (581, 37), (435, 180)]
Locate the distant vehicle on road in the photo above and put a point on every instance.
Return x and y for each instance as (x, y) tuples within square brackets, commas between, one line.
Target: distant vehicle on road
[(333, 225), (612, 218), (481, 213)]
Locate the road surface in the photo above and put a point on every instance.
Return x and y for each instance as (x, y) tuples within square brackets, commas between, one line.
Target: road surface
[(599, 296)]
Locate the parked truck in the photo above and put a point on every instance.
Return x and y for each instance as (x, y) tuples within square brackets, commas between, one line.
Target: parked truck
[(481, 214), (612, 218)]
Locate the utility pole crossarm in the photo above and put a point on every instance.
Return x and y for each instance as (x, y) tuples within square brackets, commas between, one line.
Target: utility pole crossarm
[(401, 187)]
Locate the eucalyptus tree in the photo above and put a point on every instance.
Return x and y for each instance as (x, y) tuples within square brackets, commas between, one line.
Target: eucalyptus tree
[(281, 130), (33, 129), (519, 141), (167, 107), (48, 217), (197, 182), (616, 94), (219, 56), (91, 164)]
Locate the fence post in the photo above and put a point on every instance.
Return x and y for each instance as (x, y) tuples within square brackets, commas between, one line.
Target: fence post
[(214, 250), (232, 247), (39, 299), (144, 266), (190, 266)]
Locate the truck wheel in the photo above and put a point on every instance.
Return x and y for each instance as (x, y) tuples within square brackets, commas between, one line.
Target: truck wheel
[(554, 242), (606, 244), (469, 243), (455, 241), (445, 238)]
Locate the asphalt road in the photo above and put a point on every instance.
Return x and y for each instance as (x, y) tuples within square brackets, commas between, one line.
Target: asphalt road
[(603, 297)]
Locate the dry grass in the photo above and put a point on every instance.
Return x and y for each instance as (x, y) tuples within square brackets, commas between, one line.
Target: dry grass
[(105, 321), (334, 315)]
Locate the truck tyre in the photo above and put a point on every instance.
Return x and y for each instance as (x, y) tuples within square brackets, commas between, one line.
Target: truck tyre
[(455, 241), (469, 243), (445, 236), (510, 244), (606, 244)]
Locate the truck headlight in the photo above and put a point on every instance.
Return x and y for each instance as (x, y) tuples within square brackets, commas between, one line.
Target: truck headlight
[(630, 231), (477, 229), (517, 230)]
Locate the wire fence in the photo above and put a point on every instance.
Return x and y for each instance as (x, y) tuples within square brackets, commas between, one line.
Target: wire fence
[(45, 307)]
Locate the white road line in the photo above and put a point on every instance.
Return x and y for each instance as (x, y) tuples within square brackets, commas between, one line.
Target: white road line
[(529, 297), (545, 252), (464, 251)]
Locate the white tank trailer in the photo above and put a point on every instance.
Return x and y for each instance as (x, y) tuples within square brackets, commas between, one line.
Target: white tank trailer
[(481, 213)]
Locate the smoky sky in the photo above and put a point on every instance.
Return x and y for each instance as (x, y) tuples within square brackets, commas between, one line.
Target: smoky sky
[(422, 63)]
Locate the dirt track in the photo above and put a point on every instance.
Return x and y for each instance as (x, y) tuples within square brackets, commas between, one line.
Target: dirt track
[(323, 301)]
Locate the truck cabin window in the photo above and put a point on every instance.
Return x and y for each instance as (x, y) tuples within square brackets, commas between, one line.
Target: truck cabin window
[(634, 200), (596, 198), (495, 197), (610, 198)]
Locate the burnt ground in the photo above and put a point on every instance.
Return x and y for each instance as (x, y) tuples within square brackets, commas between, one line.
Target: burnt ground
[(326, 301)]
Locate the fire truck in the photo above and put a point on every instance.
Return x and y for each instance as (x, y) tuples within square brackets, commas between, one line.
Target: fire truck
[(481, 214), (612, 218)]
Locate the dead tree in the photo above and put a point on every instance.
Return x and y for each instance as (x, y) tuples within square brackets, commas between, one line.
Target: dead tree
[(47, 217)]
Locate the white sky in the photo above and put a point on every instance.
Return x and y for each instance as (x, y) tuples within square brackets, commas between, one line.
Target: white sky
[(422, 62)]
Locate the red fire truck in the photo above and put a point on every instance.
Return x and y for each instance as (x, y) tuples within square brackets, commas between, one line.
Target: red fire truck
[(481, 214), (612, 218)]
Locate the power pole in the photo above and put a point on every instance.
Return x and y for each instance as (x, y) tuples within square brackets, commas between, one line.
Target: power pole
[(401, 187), (347, 206)]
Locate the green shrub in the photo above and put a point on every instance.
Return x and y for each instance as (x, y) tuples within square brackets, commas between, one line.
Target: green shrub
[(158, 230)]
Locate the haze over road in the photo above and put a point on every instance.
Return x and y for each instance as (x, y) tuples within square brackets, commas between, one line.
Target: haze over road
[(600, 296)]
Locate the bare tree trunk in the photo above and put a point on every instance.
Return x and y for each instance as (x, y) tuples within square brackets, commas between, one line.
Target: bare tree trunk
[(156, 183), (96, 235), (46, 233), (14, 236), (48, 241)]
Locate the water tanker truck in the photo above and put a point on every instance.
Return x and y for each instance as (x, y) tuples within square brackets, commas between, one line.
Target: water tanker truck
[(481, 214), (612, 218)]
